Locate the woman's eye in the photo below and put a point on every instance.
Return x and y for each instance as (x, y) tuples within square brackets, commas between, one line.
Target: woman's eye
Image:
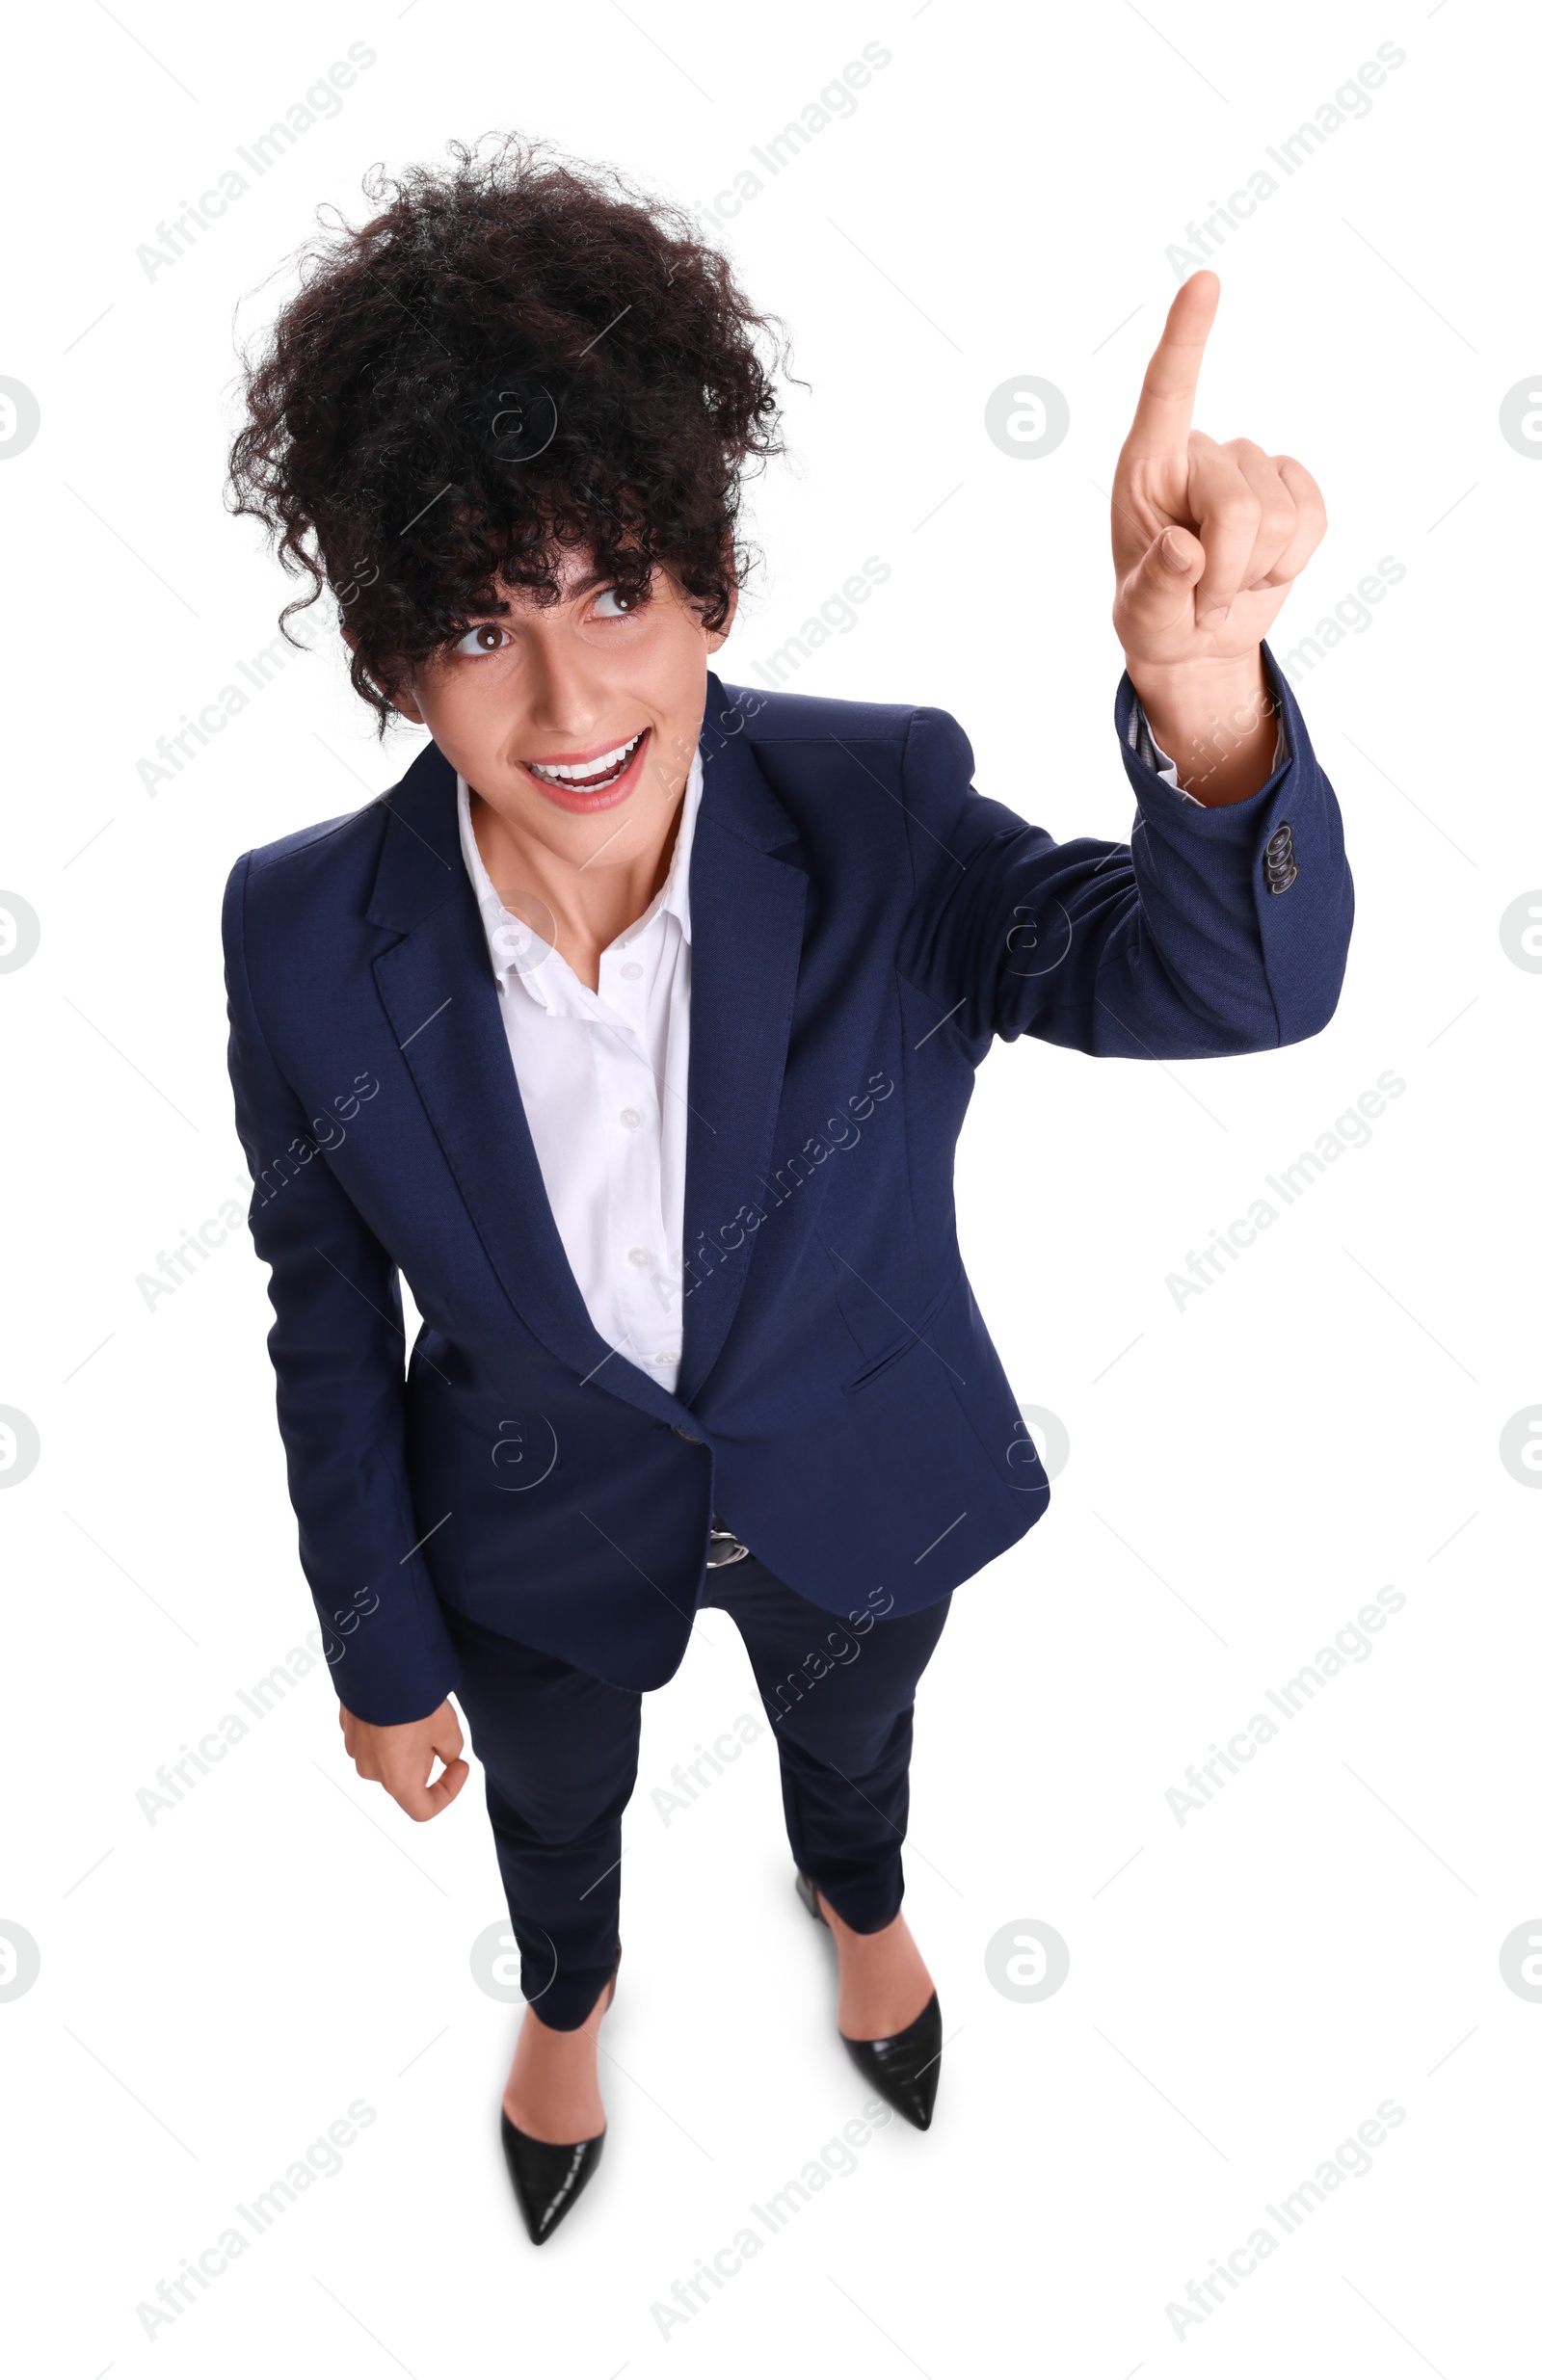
[(622, 605), (487, 637)]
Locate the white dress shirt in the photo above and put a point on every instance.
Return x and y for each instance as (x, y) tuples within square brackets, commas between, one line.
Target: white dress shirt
[(602, 1076)]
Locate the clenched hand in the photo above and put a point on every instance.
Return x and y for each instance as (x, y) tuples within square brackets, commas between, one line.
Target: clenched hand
[(402, 1758)]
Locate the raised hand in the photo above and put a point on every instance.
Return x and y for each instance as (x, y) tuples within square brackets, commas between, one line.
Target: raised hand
[(1207, 539)]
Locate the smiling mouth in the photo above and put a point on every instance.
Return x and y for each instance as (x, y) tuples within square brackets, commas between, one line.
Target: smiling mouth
[(592, 775)]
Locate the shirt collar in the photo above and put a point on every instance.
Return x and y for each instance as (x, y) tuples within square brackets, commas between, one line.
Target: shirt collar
[(516, 948)]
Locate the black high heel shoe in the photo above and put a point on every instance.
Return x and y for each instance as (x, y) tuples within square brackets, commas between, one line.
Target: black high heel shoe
[(548, 2175), (903, 2068)]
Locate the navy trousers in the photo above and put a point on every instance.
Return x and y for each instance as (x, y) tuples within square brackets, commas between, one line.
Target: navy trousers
[(560, 1752)]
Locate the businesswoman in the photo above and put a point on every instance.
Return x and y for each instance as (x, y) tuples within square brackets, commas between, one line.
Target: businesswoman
[(634, 1029)]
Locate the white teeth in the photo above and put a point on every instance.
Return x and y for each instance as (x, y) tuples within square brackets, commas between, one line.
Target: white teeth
[(582, 773)]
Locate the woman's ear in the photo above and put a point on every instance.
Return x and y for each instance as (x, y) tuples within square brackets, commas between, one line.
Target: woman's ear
[(716, 637)]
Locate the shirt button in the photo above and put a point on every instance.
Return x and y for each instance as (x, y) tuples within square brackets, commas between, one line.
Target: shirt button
[(640, 1255), (631, 970), (630, 1117), (668, 1355)]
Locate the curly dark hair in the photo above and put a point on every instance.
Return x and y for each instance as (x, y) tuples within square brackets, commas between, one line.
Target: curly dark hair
[(519, 354)]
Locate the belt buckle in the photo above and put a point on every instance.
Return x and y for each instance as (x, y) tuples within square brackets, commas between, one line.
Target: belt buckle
[(725, 1547)]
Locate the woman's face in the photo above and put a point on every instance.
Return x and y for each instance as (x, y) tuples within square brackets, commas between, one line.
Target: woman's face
[(575, 719)]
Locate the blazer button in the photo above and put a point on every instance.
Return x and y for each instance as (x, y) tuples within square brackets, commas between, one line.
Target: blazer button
[(689, 1436)]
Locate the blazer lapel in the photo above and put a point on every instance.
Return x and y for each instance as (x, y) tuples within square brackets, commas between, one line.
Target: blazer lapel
[(439, 992), (747, 913)]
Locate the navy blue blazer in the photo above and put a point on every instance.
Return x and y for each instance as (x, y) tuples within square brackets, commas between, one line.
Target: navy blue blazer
[(863, 923)]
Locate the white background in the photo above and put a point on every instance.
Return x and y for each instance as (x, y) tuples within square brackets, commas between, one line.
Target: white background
[(1245, 1472)]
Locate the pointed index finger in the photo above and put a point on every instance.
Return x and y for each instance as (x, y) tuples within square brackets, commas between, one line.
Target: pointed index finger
[(1166, 411)]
